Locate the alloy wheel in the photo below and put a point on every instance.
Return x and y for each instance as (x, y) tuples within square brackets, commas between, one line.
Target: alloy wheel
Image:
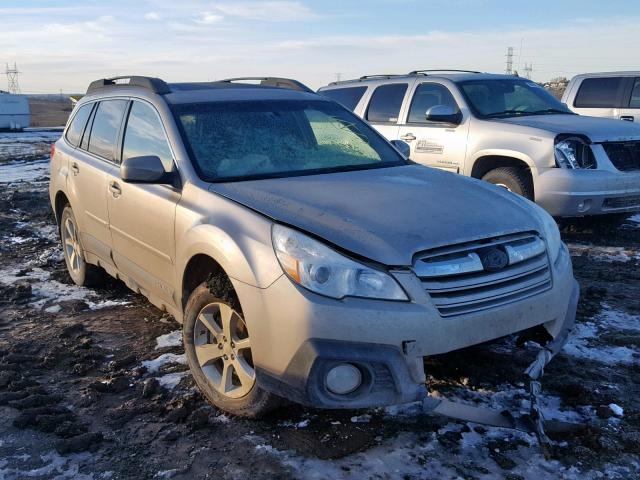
[(223, 350), (72, 248)]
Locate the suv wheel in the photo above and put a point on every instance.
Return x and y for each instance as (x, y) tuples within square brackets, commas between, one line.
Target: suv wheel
[(514, 179), (81, 272), (218, 348)]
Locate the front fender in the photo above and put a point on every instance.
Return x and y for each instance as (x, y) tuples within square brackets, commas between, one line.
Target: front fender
[(502, 152)]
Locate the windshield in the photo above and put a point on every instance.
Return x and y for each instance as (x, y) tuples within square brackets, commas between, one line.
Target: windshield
[(261, 139), (501, 98)]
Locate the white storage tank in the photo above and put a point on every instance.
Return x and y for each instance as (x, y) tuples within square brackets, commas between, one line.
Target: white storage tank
[(14, 111)]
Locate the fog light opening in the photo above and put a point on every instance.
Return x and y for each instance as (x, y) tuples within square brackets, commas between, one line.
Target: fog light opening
[(585, 205), (343, 379)]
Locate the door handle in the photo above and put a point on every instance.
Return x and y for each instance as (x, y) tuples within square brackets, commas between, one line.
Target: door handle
[(407, 137), (114, 188), (628, 118), (74, 168)]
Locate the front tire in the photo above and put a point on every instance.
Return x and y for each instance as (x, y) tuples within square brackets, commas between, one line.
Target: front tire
[(514, 179), (82, 273), (218, 348)]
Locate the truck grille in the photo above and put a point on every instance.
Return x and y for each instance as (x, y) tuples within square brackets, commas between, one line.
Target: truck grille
[(458, 281), (625, 156), (621, 202)]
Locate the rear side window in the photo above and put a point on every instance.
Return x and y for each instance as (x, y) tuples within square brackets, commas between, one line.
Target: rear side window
[(106, 124), (386, 102), (74, 132), (145, 136), (635, 95), (347, 97), (600, 93), (429, 95)]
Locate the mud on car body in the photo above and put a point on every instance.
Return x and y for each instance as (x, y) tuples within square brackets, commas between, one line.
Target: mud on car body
[(304, 255)]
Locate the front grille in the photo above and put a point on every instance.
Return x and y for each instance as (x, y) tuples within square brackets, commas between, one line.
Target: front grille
[(625, 156), (473, 288), (621, 202)]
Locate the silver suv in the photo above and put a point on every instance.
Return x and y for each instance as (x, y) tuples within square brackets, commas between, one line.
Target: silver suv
[(508, 131), (304, 256)]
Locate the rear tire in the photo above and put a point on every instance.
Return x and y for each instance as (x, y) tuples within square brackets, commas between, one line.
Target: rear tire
[(222, 369), (514, 179), (81, 272)]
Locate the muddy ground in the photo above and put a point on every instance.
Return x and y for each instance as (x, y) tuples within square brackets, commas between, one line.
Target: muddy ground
[(93, 383)]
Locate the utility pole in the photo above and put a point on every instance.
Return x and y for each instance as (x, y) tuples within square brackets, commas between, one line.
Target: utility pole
[(338, 77), (509, 69), (12, 79), (528, 68)]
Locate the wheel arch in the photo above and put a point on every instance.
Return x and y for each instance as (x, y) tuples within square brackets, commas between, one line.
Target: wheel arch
[(485, 163), (60, 200)]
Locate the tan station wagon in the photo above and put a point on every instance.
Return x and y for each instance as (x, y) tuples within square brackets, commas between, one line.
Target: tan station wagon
[(306, 258)]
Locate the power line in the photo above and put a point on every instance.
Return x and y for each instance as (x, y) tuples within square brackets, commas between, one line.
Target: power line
[(12, 79)]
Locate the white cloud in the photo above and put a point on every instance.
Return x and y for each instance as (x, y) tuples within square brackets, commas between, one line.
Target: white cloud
[(207, 18), (270, 11), (153, 16)]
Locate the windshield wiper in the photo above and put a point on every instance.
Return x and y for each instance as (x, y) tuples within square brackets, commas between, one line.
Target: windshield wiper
[(550, 110), (504, 113)]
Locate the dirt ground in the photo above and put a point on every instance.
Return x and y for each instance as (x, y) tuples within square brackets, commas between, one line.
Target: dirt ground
[(93, 383)]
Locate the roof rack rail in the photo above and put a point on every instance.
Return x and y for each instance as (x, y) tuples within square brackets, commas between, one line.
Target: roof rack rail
[(156, 85), (273, 82), (365, 77), (425, 72)]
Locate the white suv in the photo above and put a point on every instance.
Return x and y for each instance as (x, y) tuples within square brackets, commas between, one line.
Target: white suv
[(506, 130)]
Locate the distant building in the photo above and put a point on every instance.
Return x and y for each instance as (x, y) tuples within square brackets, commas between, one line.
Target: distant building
[(14, 111)]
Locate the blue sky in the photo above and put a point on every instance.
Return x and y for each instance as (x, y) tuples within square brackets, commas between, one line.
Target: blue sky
[(63, 45)]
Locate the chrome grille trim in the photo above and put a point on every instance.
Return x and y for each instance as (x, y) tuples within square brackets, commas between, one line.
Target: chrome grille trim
[(526, 275)]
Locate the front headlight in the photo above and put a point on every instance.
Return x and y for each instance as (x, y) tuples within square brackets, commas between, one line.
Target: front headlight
[(321, 269), (573, 152), (551, 234)]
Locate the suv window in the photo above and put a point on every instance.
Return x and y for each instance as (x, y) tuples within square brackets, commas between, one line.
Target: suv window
[(635, 95), (104, 131), (385, 103), (347, 97), (600, 93), (429, 95), (74, 132), (145, 136)]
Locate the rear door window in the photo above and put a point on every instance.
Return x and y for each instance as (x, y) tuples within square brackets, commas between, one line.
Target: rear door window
[(74, 132), (429, 95), (347, 97), (606, 92), (145, 135), (106, 124), (635, 95), (385, 103)]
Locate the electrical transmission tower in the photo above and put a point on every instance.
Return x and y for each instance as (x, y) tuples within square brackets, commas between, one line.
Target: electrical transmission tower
[(12, 78), (509, 69), (528, 68)]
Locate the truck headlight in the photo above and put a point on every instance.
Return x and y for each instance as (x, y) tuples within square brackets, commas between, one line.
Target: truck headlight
[(573, 152), (321, 269)]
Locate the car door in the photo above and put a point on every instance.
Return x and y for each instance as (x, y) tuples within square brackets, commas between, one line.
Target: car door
[(435, 144), (631, 113), (142, 216), (93, 161), (601, 97), (385, 107)]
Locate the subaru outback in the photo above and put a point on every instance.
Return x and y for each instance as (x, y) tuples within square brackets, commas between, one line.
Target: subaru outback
[(304, 255)]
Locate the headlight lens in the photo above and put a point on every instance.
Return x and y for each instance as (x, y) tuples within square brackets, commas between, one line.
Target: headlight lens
[(551, 234), (317, 267), (574, 152)]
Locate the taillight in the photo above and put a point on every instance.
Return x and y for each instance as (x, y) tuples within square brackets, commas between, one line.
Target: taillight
[(53, 150)]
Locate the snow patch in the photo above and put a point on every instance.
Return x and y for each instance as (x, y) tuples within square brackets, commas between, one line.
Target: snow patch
[(164, 359), (171, 380), (171, 339), (606, 254), (616, 409)]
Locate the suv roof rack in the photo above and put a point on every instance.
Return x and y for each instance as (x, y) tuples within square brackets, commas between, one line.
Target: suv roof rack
[(365, 77), (156, 85), (277, 82), (425, 72)]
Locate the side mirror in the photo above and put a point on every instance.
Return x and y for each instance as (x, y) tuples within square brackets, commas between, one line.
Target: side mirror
[(145, 169), (444, 114), (402, 147)]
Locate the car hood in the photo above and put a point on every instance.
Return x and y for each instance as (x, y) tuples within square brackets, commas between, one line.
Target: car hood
[(387, 214), (596, 129)]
